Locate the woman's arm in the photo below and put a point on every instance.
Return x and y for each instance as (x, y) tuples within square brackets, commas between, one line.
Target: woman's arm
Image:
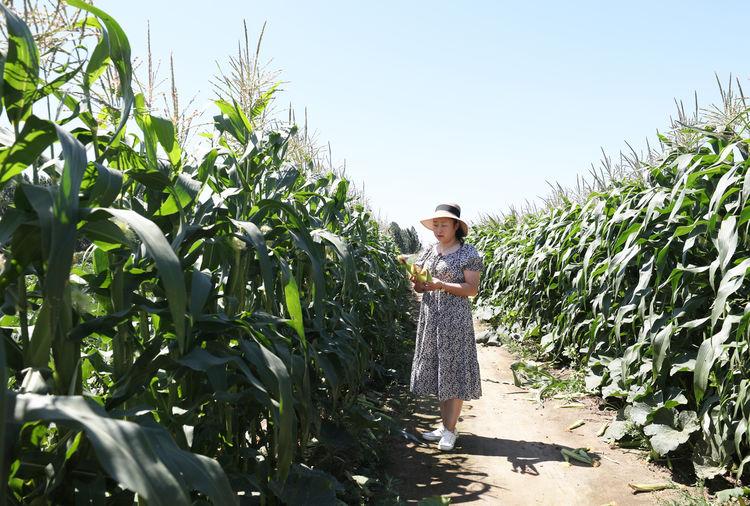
[(469, 288)]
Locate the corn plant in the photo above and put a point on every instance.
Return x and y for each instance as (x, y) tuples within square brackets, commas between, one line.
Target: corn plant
[(644, 284), (172, 332)]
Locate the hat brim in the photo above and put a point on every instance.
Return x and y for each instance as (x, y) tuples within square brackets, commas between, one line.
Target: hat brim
[(427, 222)]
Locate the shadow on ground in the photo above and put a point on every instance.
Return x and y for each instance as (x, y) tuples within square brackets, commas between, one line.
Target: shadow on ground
[(424, 471)]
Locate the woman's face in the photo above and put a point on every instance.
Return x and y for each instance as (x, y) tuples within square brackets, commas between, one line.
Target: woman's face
[(444, 229)]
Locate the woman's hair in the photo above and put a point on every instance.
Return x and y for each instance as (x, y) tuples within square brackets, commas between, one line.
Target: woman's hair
[(460, 234)]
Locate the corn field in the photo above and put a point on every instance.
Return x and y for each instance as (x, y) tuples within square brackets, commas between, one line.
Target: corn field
[(643, 283), (178, 332)]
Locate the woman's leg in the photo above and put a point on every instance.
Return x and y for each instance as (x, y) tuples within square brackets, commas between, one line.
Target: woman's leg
[(450, 410)]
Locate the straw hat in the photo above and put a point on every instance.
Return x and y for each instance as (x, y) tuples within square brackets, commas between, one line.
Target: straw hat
[(447, 211)]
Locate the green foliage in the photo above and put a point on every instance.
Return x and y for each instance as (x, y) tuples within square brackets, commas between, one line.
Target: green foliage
[(529, 374), (644, 286), (406, 239), (6, 197), (179, 331)]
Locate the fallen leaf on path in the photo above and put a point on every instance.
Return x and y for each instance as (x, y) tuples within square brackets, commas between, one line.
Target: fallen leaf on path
[(436, 500), (580, 455), (411, 437), (573, 405), (650, 487), (576, 424)]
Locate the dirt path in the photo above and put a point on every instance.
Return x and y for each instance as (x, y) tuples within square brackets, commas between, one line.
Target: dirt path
[(508, 451)]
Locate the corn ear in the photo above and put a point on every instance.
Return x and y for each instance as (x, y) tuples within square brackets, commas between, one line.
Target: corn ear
[(420, 273)]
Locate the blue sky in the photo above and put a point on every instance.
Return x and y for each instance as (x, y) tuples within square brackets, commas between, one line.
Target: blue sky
[(474, 102)]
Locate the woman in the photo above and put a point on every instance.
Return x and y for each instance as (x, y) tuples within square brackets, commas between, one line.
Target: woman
[(445, 357)]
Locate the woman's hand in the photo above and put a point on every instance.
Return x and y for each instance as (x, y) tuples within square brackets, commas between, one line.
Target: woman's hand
[(418, 285), (434, 285)]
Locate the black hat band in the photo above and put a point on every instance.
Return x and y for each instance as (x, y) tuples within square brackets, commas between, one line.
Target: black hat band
[(450, 209)]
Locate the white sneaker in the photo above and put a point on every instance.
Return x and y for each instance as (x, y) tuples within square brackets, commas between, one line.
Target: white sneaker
[(434, 435), (448, 441)]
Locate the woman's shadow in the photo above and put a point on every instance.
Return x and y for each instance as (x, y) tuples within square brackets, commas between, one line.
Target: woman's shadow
[(426, 471), (523, 456), (429, 472)]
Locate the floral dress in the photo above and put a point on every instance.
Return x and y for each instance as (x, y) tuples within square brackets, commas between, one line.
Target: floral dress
[(445, 356)]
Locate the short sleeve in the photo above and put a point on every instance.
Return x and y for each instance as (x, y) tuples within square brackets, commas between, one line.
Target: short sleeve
[(472, 261)]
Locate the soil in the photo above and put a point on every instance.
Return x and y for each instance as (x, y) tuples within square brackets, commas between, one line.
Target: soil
[(508, 451)]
